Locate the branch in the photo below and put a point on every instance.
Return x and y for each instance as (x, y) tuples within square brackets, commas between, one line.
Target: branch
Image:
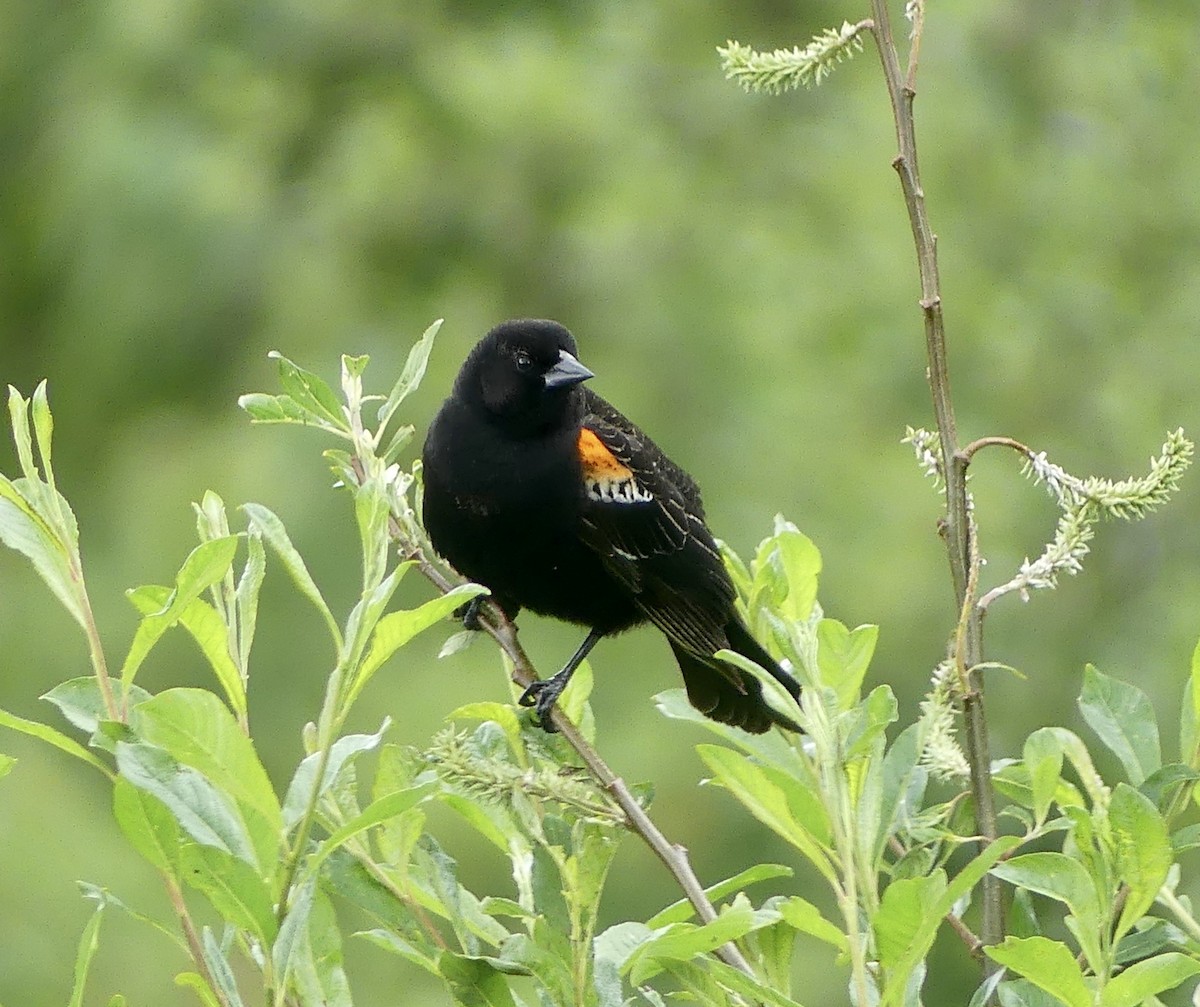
[(958, 530), (674, 857)]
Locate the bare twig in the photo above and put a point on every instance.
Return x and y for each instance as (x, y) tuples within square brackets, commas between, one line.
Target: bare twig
[(957, 525)]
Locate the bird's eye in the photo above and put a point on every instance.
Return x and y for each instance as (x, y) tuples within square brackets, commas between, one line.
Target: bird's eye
[(523, 361)]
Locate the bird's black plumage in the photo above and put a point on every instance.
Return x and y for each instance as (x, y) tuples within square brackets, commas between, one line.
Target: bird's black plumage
[(540, 490)]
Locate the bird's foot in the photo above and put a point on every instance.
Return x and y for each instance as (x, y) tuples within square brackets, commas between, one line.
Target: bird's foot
[(469, 613), (542, 695)]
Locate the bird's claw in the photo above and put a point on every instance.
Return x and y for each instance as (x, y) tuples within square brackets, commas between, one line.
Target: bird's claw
[(542, 695), (469, 614)]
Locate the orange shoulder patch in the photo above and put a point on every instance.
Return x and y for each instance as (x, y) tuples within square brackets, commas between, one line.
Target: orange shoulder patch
[(598, 462)]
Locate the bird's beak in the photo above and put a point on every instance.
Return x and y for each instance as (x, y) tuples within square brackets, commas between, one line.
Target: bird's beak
[(567, 372)]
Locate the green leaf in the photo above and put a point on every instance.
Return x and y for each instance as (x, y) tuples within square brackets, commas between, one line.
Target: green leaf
[(52, 737), (1048, 964), (293, 930), (396, 629), (272, 529), (1189, 719), (371, 512), (807, 918), (679, 912), (376, 812), (410, 377), (474, 982), (843, 656), (264, 408), (311, 393), (43, 428), (89, 943), (220, 969), (247, 594), (102, 895), (198, 730), (82, 703), (316, 961), (787, 566), (1043, 759), (18, 412), (685, 941), (148, 824), (234, 888), (1123, 718), (1146, 979), (766, 801), (205, 813), (342, 753), (1057, 876), (905, 917), (23, 529), (503, 716), (190, 980), (1143, 851)]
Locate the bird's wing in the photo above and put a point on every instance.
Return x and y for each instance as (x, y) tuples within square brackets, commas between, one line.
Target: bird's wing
[(643, 515)]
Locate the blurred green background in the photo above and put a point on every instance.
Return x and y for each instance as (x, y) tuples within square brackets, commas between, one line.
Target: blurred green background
[(186, 185)]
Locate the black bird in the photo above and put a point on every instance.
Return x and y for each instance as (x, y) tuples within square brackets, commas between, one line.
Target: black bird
[(541, 491)]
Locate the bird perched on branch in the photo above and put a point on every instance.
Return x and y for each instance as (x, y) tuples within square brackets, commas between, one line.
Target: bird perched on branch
[(541, 491)]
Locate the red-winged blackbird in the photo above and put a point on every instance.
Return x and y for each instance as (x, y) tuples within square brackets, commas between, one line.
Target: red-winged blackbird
[(540, 490)]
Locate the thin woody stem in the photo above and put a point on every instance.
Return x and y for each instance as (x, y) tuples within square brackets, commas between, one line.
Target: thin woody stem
[(957, 528)]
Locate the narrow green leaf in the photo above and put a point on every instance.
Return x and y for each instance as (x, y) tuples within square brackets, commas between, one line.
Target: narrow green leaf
[(787, 566), (1146, 979), (247, 594), (1123, 718), (220, 969), (396, 629), (316, 961), (371, 512), (52, 737), (205, 626), (1048, 964), (190, 980), (293, 930), (205, 813), (1043, 759), (263, 408), (685, 941), (148, 825), (18, 412), (683, 910), (311, 393), (376, 812), (805, 917), (234, 888), (198, 730), (731, 982), (410, 377), (1143, 851), (26, 531), (1189, 719), (89, 943), (102, 895), (272, 529), (43, 428), (342, 753), (766, 801)]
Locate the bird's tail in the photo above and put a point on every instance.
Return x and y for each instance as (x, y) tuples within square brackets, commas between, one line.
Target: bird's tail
[(729, 695)]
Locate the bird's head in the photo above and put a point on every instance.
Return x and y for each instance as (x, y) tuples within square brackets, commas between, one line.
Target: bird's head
[(524, 373)]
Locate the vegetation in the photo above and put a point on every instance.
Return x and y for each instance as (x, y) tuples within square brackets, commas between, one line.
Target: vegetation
[(1063, 865)]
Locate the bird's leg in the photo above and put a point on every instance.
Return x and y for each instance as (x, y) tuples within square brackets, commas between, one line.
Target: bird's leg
[(544, 693), (469, 613)]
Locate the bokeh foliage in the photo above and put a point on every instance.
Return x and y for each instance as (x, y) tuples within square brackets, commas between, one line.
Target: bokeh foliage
[(187, 186)]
